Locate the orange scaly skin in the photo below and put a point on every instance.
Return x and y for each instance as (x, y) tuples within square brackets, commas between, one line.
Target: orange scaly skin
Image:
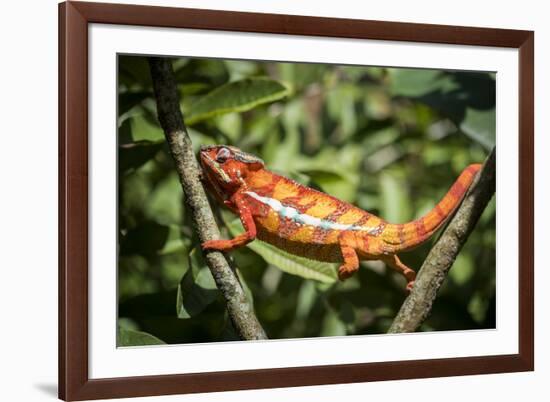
[(312, 224)]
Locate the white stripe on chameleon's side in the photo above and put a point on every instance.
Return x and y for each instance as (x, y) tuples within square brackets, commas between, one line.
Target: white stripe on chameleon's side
[(296, 216)]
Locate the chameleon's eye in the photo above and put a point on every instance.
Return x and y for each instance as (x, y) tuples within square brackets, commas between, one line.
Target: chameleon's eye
[(223, 155)]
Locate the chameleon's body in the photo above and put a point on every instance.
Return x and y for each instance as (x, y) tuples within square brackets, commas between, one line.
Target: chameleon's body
[(312, 224)]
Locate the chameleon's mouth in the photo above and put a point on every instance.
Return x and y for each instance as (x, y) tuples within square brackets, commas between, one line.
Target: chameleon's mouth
[(210, 165), (213, 176)]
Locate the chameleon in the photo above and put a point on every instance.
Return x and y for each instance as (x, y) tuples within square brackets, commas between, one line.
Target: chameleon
[(312, 224)]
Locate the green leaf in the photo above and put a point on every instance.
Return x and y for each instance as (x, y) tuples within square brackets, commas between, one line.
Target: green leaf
[(282, 153), (165, 203), (463, 269), (301, 75), (197, 288), (239, 69), (341, 108), (477, 307), (342, 186), (174, 241), (238, 96), (467, 98), (128, 100), (306, 299), (129, 337), (147, 239), (134, 155), (289, 263), (294, 265), (417, 82), (192, 88), (394, 205), (333, 324), (134, 72), (145, 128), (231, 125), (479, 125), (246, 288)]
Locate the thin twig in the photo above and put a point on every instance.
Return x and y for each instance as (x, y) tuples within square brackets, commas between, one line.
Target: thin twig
[(416, 308), (171, 119)]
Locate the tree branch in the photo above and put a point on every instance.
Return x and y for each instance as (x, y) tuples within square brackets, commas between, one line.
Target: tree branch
[(434, 270), (171, 119)]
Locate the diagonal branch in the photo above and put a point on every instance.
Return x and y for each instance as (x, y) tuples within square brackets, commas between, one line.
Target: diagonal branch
[(434, 270), (171, 119)]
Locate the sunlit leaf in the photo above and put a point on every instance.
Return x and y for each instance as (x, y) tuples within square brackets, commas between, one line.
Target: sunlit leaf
[(294, 265), (238, 96), (289, 263)]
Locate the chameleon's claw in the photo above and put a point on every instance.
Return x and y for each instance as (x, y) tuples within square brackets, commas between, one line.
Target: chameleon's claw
[(410, 286)]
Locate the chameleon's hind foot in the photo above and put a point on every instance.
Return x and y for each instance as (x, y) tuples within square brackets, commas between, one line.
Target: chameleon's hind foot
[(345, 272), (395, 263)]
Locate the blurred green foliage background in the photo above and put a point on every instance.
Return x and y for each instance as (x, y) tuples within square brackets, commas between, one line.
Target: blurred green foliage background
[(390, 140)]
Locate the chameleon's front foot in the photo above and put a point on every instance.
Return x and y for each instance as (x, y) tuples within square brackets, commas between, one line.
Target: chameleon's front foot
[(218, 245)]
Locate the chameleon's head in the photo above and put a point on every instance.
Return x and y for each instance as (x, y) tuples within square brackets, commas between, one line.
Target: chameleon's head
[(225, 167)]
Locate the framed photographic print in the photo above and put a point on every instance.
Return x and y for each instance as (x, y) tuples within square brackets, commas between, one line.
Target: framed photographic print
[(260, 200)]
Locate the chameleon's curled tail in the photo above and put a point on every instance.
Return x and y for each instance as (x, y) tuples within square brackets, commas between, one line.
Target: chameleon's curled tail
[(409, 235)]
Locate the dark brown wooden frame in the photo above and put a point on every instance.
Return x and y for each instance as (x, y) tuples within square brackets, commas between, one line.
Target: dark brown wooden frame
[(74, 17)]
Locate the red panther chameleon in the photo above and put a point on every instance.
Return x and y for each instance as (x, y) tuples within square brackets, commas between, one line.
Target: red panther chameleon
[(312, 224)]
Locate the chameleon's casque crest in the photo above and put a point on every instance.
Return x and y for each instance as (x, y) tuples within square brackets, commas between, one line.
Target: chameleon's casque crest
[(235, 152), (309, 223)]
